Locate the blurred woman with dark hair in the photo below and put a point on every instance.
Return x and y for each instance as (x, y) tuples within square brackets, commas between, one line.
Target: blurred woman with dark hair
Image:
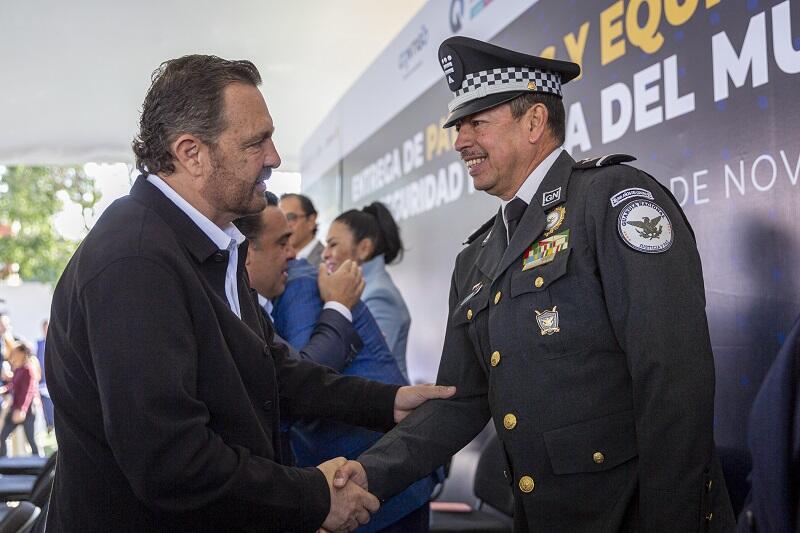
[(371, 238), (24, 389)]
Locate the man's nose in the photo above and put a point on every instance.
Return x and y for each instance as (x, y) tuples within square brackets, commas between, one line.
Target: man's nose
[(272, 158), (463, 139)]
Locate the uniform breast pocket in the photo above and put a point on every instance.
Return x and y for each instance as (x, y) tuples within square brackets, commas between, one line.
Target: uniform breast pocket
[(534, 309)]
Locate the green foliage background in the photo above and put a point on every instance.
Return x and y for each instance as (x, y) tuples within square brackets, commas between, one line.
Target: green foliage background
[(29, 197)]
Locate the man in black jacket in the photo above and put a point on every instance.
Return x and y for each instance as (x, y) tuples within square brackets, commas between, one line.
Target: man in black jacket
[(166, 381)]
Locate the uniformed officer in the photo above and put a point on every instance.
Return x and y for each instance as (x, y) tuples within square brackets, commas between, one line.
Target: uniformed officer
[(577, 322)]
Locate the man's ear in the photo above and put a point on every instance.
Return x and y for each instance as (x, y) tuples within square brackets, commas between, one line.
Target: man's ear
[(536, 122), (190, 153)]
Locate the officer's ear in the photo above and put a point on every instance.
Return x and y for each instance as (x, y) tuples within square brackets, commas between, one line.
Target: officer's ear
[(364, 250), (536, 122)]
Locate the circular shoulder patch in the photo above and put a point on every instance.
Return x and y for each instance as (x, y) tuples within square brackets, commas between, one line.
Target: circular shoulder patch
[(645, 227)]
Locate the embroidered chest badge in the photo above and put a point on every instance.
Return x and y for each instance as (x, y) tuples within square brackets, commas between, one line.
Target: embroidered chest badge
[(544, 251), (554, 220), (548, 320)]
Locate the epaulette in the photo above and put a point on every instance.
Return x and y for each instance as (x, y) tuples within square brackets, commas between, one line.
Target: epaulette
[(606, 160), (474, 235)]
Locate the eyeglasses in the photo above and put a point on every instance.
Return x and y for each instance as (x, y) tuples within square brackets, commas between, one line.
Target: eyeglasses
[(292, 217)]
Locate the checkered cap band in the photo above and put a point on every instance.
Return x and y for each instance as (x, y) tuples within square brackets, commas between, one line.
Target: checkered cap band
[(548, 82)]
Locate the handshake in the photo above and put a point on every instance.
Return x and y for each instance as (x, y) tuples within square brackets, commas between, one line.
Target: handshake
[(351, 504)]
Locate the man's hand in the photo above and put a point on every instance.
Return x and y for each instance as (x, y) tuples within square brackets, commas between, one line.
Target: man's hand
[(344, 286), (410, 397), (351, 471), (351, 505)]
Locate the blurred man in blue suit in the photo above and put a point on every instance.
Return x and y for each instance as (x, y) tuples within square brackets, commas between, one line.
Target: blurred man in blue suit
[(306, 320), (332, 341)]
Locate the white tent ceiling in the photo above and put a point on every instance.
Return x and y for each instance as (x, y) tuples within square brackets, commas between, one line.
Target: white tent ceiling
[(74, 73)]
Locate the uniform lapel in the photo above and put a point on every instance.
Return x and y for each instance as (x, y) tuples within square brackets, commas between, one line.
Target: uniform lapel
[(492, 247), (534, 220)]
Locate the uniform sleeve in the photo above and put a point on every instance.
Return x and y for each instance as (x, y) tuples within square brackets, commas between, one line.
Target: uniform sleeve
[(429, 436), (145, 362), (656, 301)]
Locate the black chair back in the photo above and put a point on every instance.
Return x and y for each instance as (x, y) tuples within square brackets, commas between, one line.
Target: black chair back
[(491, 485), (40, 494), (18, 518)]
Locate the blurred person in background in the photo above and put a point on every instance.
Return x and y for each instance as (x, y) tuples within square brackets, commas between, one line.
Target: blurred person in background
[(332, 340), (24, 389), (7, 340), (47, 403), (371, 238), (344, 337), (302, 217)]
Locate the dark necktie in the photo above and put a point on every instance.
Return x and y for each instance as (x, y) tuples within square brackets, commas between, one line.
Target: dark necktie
[(514, 211)]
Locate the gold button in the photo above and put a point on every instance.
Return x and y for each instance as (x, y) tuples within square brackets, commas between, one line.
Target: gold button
[(539, 282), (510, 421), (469, 314), (497, 297), (526, 484), (598, 458), (531, 86), (495, 358)]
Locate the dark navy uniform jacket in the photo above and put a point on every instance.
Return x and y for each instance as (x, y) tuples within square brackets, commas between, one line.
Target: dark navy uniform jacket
[(596, 366)]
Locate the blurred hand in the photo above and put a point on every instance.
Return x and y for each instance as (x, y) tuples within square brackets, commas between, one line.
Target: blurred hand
[(344, 286), (410, 397), (351, 505), (17, 416)]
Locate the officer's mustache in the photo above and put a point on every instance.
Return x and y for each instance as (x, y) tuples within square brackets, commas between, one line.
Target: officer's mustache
[(465, 156)]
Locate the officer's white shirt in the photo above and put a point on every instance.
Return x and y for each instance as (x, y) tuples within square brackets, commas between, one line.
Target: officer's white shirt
[(531, 183), (227, 238)]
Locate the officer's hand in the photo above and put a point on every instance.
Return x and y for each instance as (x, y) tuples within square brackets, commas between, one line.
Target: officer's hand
[(410, 397), (344, 286), (351, 505)]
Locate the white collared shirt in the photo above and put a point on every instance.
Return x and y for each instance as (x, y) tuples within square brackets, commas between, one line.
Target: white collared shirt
[(266, 304), (228, 238), (340, 308), (531, 183), (306, 250)]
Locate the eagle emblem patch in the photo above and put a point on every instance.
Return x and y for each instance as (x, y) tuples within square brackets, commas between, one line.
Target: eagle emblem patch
[(548, 320), (645, 227), (554, 220)]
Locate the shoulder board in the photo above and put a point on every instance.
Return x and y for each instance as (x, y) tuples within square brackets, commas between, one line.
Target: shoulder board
[(606, 160), (480, 231)]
